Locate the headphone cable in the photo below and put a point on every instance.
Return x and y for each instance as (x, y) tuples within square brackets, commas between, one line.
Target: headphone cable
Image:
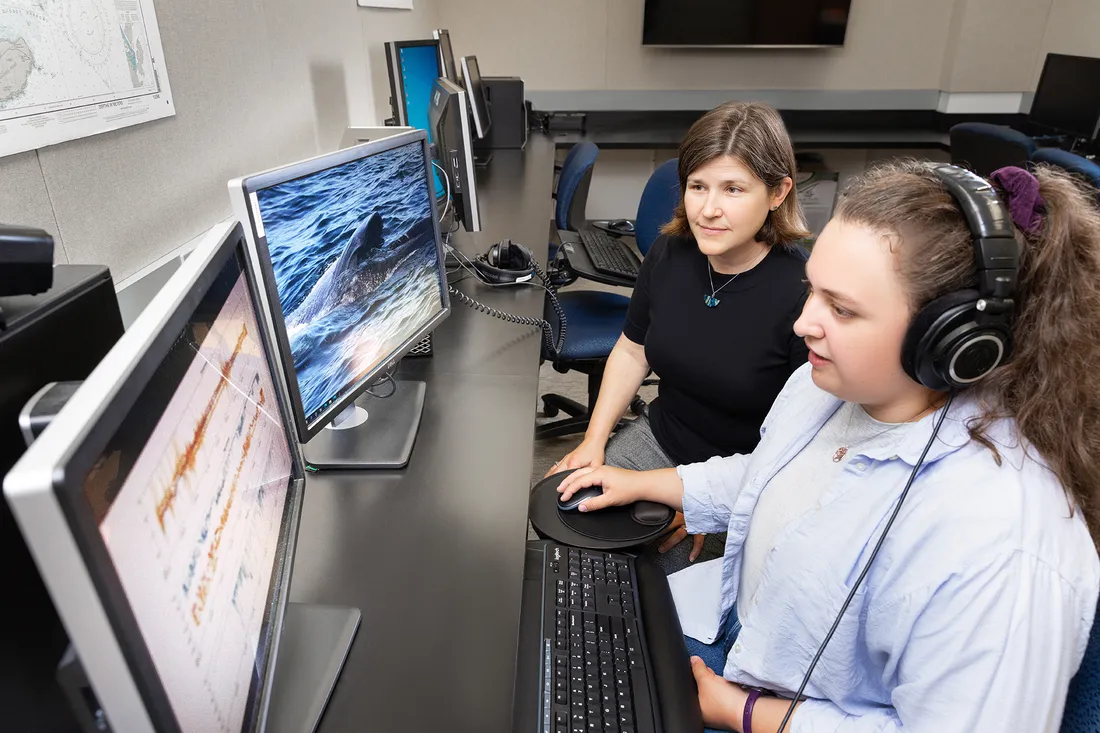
[(867, 566)]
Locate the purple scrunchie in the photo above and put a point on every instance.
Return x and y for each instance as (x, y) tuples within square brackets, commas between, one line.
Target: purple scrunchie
[(1020, 190)]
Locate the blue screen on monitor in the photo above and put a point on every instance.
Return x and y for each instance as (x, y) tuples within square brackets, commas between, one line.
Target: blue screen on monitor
[(356, 264), (419, 70)]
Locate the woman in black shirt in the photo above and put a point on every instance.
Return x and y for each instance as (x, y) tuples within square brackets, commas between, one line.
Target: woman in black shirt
[(714, 306)]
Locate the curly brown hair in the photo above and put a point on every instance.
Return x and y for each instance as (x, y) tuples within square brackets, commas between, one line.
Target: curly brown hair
[(1051, 384), (754, 134)]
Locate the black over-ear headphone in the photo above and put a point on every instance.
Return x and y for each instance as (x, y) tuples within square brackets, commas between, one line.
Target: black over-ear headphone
[(964, 335), (505, 263)]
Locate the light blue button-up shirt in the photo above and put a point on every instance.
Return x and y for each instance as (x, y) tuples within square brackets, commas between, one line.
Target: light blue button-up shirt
[(976, 612)]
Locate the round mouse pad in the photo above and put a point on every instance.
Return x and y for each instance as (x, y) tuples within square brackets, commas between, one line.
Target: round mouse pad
[(606, 529)]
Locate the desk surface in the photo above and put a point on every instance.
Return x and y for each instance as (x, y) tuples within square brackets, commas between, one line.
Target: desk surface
[(433, 555)]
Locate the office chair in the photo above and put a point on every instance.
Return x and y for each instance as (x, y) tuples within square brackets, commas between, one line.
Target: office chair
[(983, 148), (1082, 713), (595, 319), (1075, 164), (574, 180), (659, 199)]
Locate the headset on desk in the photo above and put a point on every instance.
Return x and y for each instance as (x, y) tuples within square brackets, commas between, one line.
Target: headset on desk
[(505, 264)]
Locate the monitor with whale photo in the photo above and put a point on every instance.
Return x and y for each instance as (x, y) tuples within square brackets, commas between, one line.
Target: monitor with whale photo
[(348, 248)]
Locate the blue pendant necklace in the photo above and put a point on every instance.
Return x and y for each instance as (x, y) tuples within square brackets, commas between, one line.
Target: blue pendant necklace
[(710, 300)]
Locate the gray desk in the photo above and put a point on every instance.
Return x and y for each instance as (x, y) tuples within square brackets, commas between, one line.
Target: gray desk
[(433, 554)]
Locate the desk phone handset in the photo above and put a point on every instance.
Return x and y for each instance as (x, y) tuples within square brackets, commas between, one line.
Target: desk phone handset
[(509, 263)]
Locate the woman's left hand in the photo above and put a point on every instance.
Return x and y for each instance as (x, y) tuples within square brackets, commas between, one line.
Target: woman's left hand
[(722, 701), (677, 533)]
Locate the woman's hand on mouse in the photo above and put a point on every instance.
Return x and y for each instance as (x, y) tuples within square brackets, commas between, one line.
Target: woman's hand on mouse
[(589, 454), (620, 486), (678, 533)]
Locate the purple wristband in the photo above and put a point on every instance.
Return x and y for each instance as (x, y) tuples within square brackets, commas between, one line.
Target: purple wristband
[(746, 717)]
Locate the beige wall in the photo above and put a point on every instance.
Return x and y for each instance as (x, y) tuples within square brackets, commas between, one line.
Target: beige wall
[(997, 43), (596, 44), (984, 46), (1072, 27), (256, 83)]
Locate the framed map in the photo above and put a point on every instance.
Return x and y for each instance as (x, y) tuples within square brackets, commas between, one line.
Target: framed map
[(73, 68)]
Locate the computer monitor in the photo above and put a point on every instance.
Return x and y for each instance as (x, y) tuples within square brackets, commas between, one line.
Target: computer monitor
[(446, 54), (60, 335), (413, 66), (479, 105), (161, 506), (1068, 96), (454, 150), (349, 253)]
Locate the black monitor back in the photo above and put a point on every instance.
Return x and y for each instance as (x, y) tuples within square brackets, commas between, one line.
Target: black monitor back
[(56, 336)]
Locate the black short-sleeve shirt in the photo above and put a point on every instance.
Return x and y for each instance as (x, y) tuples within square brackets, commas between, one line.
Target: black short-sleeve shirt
[(722, 367)]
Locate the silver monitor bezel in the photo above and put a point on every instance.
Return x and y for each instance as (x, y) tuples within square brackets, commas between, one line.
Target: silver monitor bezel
[(45, 491), (241, 192), (439, 34), (481, 126)]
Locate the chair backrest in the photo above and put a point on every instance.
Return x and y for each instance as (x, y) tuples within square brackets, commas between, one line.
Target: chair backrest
[(573, 183), (983, 148), (657, 205), (1079, 166), (1082, 713)]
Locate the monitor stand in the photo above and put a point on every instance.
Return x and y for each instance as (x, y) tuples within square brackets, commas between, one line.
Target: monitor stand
[(314, 643), (372, 432), (482, 158)]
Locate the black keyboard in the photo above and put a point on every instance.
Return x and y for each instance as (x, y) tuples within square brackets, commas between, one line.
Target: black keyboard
[(600, 647), (592, 645), (609, 255)]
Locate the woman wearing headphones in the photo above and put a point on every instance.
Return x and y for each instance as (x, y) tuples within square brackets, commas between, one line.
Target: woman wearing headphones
[(713, 307), (949, 424)]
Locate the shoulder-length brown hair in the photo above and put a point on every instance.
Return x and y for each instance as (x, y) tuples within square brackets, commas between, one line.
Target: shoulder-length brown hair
[(1050, 386), (754, 134)]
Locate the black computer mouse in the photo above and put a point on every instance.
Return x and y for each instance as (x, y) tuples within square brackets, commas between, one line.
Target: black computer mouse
[(649, 512), (621, 225), (579, 496)]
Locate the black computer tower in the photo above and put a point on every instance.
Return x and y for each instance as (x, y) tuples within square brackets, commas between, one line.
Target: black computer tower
[(504, 96), (59, 335)]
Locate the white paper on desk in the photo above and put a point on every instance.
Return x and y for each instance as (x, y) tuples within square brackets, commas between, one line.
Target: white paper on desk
[(697, 591)]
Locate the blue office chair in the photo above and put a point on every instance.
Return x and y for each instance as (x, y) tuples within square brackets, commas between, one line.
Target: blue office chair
[(595, 319), (574, 181), (1082, 714), (1079, 166), (659, 199), (983, 148)]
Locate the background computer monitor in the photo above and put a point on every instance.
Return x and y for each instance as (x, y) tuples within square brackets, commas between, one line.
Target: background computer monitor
[(348, 247), (413, 66), (454, 150), (479, 106), (59, 335), (1068, 96), (161, 506), (446, 55)]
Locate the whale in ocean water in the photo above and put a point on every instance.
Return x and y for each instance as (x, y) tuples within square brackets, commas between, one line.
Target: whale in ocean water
[(349, 278)]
